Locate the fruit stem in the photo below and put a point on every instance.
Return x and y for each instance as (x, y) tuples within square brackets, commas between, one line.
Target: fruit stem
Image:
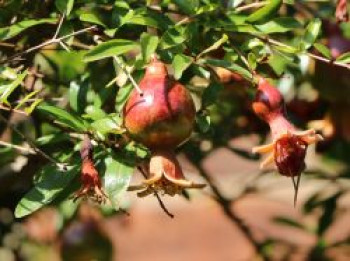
[(128, 74)]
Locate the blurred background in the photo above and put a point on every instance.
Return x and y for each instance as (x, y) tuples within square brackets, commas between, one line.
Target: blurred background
[(244, 213)]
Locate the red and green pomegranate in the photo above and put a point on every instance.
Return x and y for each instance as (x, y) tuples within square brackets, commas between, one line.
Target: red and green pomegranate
[(161, 117)]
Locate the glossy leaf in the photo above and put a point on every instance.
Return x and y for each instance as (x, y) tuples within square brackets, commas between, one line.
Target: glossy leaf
[(78, 96), (230, 66), (7, 89), (279, 25), (149, 45), (62, 116), (116, 178), (109, 49), (323, 50), (50, 184), (265, 12), (311, 33), (13, 30), (344, 58), (65, 6), (180, 63)]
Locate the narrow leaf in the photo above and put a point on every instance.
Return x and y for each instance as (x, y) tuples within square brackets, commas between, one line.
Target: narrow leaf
[(311, 33), (116, 178), (323, 50), (149, 45), (13, 30), (180, 63), (6, 90), (109, 49), (62, 116), (50, 184), (344, 58)]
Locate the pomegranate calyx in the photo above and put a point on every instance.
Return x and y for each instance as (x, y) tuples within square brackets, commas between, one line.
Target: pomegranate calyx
[(166, 176)]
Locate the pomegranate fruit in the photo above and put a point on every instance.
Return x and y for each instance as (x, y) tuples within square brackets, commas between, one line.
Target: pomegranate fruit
[(288, 147), (161, 118)]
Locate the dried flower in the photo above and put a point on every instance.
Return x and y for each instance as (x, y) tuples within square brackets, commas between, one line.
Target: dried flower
[(90, 179), (288, 147)]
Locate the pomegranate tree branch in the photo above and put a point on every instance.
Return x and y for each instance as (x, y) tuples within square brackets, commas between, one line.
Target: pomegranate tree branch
[(51, 41), (250, 6), (59, 165), (311, 55)]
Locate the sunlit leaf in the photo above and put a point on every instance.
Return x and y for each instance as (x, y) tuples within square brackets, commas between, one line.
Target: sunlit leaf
[(50, 184), (15, 29), (7, 89), (62, 116), (180, 63), (109, 49), (149, 45), (116, 178)]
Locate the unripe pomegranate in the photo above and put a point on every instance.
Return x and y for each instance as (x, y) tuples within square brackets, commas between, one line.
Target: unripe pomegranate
[(288, 147), (160, 118), (163, 116)]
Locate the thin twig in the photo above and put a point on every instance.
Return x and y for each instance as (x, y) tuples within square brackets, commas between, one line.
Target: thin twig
[(59, 27), (17, 147), (132, 80), (160, 201), (2, 107), (250, 6), (51, 41), (314, 56), (59, 165)]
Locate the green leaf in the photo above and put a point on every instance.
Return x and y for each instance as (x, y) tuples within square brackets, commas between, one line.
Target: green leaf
[(50, 184), (78, 96), (62, 116), (230, 66), (92, 17), (32, 107), (122, 96), (203, 122), (214, 46), (289, 222), (13, 30), (172, 37), (65, 6), (323, 50), (311, 33), (25, 99), (149, 45), (110, 124), (252, 60), (180, 63), (109, 49), (265, 12), (279, 25), (344, 58), (211, 93), (187, 6), (116, 178), (6, 90)]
